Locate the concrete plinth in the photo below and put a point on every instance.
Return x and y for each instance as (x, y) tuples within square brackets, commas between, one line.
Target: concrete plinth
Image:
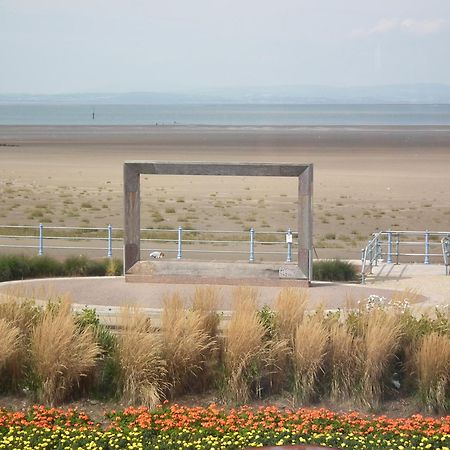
[(213, 272)]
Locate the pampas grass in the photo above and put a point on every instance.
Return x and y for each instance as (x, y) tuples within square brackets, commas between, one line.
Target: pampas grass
[(186, 343), (139, 356), (433, 372), (61, 353), (310, 346)]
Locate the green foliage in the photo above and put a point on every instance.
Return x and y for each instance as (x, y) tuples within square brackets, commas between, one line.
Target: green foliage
[(104, 382), (267, 318), (13, 267), (81, 266), (45, 266), (334, 270), (19, 267)]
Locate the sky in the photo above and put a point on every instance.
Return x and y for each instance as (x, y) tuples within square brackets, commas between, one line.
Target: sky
[(70, 46)]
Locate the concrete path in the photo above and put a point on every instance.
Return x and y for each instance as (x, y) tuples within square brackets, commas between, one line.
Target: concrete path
[(426, 279), (115, 292), (108, 294)]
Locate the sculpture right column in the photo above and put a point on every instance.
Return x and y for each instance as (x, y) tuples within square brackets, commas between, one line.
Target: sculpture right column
[(305, 221)]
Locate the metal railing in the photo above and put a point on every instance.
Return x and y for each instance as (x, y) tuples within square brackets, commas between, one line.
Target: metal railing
[(445, 242), (395, 246), (179, 241)]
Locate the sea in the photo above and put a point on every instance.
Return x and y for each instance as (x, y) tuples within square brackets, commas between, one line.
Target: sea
[(225, 114)]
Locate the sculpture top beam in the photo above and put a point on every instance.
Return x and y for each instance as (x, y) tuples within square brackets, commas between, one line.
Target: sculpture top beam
[(216, 169)]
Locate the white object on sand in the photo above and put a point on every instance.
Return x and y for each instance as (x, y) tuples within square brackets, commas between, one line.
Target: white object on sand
[(156, 255)]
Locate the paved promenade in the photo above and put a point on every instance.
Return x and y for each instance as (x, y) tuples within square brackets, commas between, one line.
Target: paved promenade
[(114, 291), (108, 294)]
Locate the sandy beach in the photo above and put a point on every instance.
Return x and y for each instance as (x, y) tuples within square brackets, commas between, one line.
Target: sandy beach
[(365, 178)]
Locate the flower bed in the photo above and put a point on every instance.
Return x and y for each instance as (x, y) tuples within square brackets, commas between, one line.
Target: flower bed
[(178, 427)]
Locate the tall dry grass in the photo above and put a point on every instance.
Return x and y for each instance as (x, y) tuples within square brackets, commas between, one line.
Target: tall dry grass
[(290, 306), (246, 351), (10, 340), (61, 353), (186, 344), (289, 310), (433, 371), (251, 354), (22, 314), (383, 333), (142, 369), (310, 348), (206, 301), (344, 362)]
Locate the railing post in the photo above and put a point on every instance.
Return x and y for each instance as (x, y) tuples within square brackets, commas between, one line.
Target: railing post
[(109, 241), (427, 248), (389, 252), (252, 245), (289, 245), (41, 240), (376, 251), (363, 266), (180, 232), (397, 248)]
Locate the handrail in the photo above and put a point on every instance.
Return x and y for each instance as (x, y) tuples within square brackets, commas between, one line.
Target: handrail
[(370, 252), (445, 242), (388, 243), (85, 238)]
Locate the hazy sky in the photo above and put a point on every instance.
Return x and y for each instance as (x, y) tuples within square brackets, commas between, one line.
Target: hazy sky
[(57, 46)]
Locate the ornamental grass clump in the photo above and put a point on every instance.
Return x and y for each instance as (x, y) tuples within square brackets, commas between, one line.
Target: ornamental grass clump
[(61, 353), (290, 307), (344, 362), (22, 314), (10, 339), (206, 301), (310, 348), (289, 310), (382, 337), (186, 343), (142, 370), (245, 349), (433, 371)]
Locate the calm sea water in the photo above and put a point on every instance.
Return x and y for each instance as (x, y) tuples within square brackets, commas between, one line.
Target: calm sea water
[(234, 115)]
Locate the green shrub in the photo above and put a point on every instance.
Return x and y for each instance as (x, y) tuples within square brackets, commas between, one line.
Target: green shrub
[(45, 266), (19, 267), (103, 383), (334, 270), (14, 267)]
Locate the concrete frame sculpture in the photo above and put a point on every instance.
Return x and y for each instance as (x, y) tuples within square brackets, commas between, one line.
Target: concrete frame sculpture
[(131, 176)]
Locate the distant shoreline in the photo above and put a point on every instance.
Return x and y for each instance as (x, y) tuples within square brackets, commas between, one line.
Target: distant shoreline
[(226, 115)]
